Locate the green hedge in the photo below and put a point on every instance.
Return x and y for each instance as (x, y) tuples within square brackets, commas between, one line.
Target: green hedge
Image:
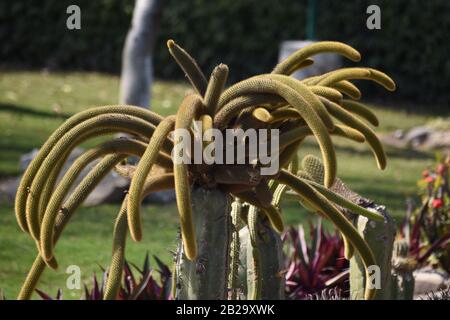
[(412, 45)]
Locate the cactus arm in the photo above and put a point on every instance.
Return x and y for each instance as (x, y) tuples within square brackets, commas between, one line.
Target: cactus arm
[(50, 185), (236, 210), (320, 203), (327, 92), (360, 110), (341, 201), (190, 109), (324, 46), (232, 108), (80, 193), (113, 282), (189, 66), (301, 132), (348, 88), (33, 167), (370, 136), (329, 79), (215, 86), (310, 98), (270, 211), (122, 146), (114, 279), (140, 175), (99, 125), (319, 130), (300, 65), (255, 281)]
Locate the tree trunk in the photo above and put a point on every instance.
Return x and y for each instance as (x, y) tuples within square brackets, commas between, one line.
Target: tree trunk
[(137, 65)]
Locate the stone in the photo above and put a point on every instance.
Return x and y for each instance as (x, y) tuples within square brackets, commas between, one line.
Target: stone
[(417, 135), (428, 279)]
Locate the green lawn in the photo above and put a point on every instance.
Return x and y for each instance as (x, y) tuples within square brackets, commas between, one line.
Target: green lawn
[(33, 104)]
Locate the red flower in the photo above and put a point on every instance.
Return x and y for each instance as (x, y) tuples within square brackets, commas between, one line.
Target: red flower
[(429, 179), (425, 173), (440, 168), (437, 203)]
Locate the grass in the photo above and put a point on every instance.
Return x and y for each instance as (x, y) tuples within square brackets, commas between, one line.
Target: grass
[(33, 104)]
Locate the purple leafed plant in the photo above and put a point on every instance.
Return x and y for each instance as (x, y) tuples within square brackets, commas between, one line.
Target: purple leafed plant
[(314, 265), (136, 285)]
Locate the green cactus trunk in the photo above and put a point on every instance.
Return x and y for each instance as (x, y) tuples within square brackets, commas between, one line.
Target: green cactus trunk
[(206, 277), (270, 254), (380, 236), (402, 272)]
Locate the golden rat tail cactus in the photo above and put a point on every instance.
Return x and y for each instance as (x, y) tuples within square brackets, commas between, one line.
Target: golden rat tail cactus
[(285, 107)]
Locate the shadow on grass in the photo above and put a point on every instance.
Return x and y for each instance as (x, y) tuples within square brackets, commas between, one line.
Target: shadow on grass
[(25, 110)]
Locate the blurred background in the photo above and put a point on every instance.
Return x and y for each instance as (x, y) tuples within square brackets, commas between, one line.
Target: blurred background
[(48, 73)]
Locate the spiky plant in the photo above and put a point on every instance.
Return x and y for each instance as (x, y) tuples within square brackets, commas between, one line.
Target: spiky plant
[(140, 284), (314, 269), (269, 101)]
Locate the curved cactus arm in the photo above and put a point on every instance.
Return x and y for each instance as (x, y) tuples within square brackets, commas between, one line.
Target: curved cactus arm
[(190, 109), (140, 175), (255, 279), (329, 79), (348, 88), (360, 110), (215, 87), (76, 198), (341, 201), (300, 65), (301, 132), (306, 93), (189, 66), (272, 213), (347, 118), (103, 124), (320, 203), (122, 146), (232, 108), (327, 92), (153, 184), (319, 130), (33, 167), (324, 46)]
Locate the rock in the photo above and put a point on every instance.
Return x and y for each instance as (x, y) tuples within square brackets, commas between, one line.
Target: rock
[(323, 63), (161, 197), (416, 136), (428, 279), (8, 188), (438, 140)]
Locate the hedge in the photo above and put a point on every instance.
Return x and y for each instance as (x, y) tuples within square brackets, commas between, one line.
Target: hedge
[(412, 45)]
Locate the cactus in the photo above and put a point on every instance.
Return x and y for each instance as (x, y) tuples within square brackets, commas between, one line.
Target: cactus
[(269, 101), (402, 272), (380, 234), (266, 243), (206, 277)]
